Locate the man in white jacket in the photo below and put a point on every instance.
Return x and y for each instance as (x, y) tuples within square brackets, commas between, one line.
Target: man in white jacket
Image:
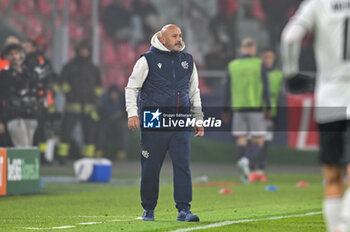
[(329, 20), (165, 77)]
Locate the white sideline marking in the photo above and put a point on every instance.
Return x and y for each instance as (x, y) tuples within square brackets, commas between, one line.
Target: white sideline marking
[(68, 227), (219, 224), (50, 228), (32, 228), (62, 227), (89, 223)]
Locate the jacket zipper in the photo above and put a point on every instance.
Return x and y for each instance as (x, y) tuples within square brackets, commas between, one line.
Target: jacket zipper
[(172, 62), (178, 102), (178, 93)]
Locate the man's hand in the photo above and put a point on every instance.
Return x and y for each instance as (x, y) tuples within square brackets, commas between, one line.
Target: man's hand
[(199, 130), (133, 123), (2, 128)]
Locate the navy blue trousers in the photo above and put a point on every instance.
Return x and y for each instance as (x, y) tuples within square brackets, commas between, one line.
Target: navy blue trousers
[(154, 146)]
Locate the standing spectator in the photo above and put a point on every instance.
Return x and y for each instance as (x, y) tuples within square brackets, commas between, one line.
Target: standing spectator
[(249, 90), (4, 137), (165, 76), (276, 12), (81, 84), (274, 75), (112, 125), (9, 40), (224, 25), (42, 68), (216, 59), (148, 15), (20, 98), (117, 21)]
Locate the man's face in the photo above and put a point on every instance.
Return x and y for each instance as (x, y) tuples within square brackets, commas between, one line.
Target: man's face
[(172, 39), (249, 50), (84, 52), (14, 57), (268, 58), (114, 96), (28, 47)]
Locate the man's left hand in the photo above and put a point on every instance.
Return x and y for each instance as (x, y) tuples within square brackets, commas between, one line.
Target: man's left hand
[(199, 130)]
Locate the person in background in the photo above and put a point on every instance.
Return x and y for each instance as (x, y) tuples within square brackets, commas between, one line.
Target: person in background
[(112, 124), (81, 83), (275, 78), (42, 68), (329, 21), (20, 98), (9, 40), (117, 21), (249, 90), (5, 141), (148, 15), (223, 25)]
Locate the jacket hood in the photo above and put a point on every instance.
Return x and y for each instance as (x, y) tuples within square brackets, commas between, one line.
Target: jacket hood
[(155, 42)]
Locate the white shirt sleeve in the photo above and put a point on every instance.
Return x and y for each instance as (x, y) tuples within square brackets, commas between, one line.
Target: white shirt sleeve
[(303, 21), (194, 93), (136, 79)]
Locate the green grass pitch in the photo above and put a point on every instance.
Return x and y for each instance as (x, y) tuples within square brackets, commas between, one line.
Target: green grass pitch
[(115, 207)]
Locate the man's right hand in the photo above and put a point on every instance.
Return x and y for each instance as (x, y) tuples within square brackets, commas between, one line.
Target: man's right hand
[(133, 123)]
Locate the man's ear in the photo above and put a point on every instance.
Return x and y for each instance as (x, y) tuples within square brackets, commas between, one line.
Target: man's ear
[(161, 39)]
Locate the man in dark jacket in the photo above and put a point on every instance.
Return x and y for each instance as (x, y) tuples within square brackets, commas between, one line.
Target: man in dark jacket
[(81, 84), (41, 66), (166, 77), (21, 102)]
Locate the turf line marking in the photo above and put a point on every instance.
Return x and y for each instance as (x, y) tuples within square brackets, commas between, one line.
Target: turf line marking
[(89, 223), (50, 228), (219, 224), (68, 227), (32, 228), (62, 227)]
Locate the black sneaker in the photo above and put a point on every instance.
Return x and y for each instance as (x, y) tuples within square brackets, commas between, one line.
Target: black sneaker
[(148, 215), (186, 216)]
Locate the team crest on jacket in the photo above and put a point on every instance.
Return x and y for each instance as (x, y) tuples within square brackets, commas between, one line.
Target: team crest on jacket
[(159, 65), (184, 64), (145, 153)]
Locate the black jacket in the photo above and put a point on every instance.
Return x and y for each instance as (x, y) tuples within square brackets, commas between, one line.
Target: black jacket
[(19, 94), (80, 79)]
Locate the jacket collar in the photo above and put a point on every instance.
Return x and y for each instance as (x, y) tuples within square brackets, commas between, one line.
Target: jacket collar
[(169, 53)]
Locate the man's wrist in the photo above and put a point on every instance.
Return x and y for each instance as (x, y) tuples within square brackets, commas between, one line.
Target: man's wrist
[(132, 113)]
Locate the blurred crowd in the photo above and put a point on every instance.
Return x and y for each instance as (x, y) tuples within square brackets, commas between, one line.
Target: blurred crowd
[(28, 116)]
